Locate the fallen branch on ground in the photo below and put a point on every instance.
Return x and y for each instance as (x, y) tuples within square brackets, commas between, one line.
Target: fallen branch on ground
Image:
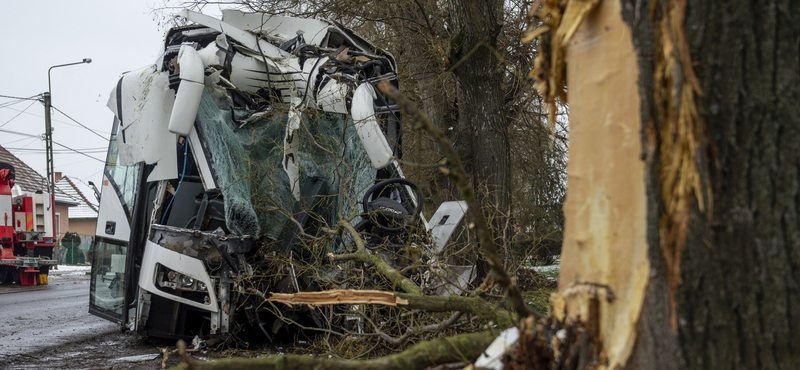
[(465, 347), (474, 305)]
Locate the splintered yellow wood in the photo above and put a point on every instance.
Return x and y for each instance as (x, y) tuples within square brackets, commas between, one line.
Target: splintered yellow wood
[(606, 206), (339, 297)]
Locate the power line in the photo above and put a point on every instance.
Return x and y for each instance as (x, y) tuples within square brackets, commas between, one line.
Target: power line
[(61, 151), (82, 125), (15, 101), (23, 111), (10, 103), (20, 133), (62, 165), (14, 141), (54, 120), (35, 97), (81, 153), (59, 144), (32, 140)]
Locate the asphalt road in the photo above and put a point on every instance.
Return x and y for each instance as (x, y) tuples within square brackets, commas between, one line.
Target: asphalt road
[(49, 327), (52, 314)]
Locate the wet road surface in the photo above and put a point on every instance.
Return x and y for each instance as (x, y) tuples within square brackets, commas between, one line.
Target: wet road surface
[(46, 315), (49, 327)]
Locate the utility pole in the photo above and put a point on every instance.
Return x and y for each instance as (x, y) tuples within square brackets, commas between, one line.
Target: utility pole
[(48, 138)]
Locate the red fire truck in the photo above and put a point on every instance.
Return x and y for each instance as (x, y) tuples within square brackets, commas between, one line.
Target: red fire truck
[(26, 233)]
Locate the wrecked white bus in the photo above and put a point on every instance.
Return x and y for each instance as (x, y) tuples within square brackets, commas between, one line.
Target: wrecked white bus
[(231, 160)]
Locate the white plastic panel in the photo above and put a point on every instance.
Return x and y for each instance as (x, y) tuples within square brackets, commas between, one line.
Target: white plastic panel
[(331, 97), (187, 100), (368, 128), (143, 136), (458, 279), (201, 161), (291, 146), (246, 38), (445, 220), (111, 209), (183, 264), (278, 27)]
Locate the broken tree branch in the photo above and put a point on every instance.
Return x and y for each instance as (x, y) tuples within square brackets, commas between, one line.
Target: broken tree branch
[(458, 176), (381, 266), (465, 347), (474, 305), (420, 329), (339, 297)]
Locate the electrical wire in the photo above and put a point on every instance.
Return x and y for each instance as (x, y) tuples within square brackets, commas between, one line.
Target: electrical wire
[(35, 97), (79, 152), (21, 133), (81, 124), (92, 175), (16, 141), (18, 114), (10, 103), (54, 120), (54, 142), (73, 163), (60, 151), (17, 100)]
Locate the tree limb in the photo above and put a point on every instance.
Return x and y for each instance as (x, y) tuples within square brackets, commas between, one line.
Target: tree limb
[(465, 347), (458, 176), (381, 266), (475, 305)]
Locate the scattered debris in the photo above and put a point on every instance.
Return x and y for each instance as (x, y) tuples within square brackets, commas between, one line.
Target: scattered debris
[(492, 357), (530, 279), (140, 358)]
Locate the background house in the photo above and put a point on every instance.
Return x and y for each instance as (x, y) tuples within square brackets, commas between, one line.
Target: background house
[(82, 217)]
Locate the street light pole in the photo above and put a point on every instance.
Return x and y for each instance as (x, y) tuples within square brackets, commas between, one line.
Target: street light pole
[(48, 128)]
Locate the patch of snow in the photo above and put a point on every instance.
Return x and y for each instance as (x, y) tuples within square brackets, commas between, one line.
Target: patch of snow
[(550, 271), (547, 269), (140, 358), (75, 268)]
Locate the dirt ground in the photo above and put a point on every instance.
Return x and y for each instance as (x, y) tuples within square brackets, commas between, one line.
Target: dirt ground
[(58, 312), (113, 350)]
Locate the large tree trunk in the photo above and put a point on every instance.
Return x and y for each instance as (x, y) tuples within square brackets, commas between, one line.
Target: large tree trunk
[(481, 115), (736, 285), (739, 304)]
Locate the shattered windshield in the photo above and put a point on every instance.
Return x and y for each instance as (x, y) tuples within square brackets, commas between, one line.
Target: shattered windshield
[(246, 152)]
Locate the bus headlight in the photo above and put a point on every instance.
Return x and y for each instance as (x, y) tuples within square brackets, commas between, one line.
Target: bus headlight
[(187, 281)]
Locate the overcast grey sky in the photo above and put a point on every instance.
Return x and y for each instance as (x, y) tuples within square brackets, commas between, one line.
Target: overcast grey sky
[(118, 35)]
